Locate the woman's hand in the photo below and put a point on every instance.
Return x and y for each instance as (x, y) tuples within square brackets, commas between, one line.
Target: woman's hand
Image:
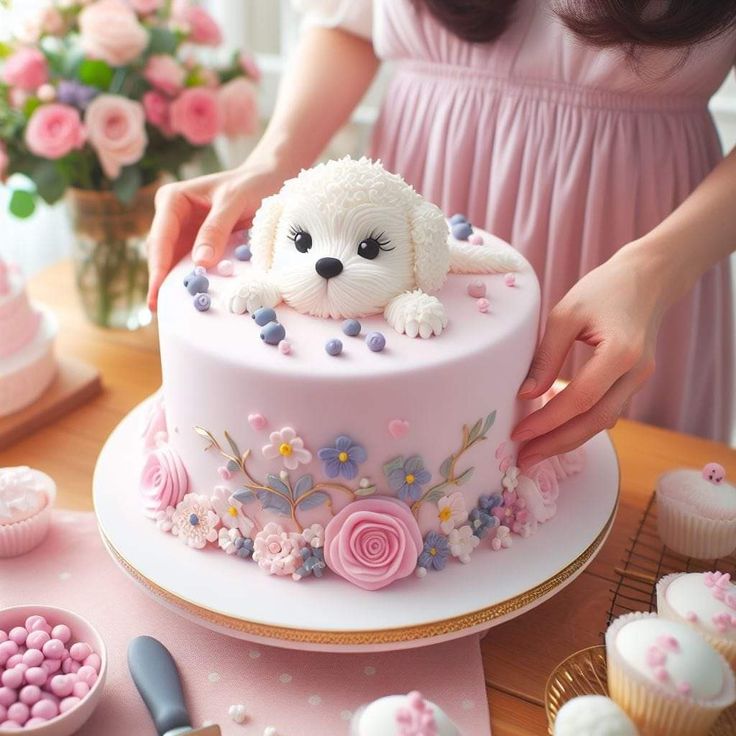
[(616, 309)]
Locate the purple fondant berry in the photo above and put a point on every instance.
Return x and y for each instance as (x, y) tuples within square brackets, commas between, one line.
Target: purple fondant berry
[(198, 284), (351, 327), (202, 302), (462, 230), (375, 341), (242, 252), (333, 347), (457, 218), (264, 315), (273, 333)]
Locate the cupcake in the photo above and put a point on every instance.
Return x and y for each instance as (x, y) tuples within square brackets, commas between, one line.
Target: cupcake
[(697, 512), (593, 715), (666, 677), (26, 499), (395, 715), (706, 601)]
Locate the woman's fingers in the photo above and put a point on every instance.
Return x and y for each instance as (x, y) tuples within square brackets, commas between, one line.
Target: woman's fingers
[(211, 240)]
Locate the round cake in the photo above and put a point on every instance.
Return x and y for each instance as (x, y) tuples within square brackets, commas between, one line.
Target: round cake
[(324, 378)]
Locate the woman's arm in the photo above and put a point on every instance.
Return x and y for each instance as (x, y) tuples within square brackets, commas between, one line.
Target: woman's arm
[(617, 308), (328, 74)]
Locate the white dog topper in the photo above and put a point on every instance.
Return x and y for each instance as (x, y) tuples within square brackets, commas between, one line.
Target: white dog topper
[(349, 239)]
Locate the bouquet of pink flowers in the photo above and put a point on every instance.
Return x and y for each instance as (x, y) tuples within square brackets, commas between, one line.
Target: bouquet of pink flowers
[(107, 95)]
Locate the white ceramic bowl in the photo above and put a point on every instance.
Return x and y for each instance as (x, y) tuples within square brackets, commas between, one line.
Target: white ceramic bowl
[(70, 722)]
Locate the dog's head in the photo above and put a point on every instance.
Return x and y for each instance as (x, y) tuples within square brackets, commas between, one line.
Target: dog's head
[(344, 238)]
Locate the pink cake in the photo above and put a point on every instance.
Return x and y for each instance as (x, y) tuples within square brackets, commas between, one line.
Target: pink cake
[(27, 364), (282, 435)]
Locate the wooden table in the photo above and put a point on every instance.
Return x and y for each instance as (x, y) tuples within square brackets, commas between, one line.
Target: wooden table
[(518, 655)]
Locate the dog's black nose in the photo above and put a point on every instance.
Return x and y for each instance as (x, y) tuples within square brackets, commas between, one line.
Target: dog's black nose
[(328, 267)]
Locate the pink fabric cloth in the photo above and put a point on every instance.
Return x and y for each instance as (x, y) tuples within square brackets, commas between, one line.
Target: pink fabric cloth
[(300, 693), (568, 152)]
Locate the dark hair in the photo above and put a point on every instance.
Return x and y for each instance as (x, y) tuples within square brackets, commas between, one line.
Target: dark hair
[(601, 22)]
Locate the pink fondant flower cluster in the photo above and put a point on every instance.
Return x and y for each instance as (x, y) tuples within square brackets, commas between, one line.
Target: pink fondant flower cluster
[(278, 551)]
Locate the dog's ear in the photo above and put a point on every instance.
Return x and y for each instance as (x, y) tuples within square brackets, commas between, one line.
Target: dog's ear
[(263, 232), (429, 234)]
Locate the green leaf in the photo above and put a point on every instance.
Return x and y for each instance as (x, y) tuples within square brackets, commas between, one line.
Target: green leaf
[(490, 420), (50, 184), (5, 50), (475, 431), (96, 73), (464, 477), (162, 41), (126, 186), (22, 203), (396, 464), (445, 468), (435, 495), (30, 106), (365, 490)]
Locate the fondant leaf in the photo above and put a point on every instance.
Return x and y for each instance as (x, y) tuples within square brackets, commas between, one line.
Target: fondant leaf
[(434, 496), (303, 485), (277, 484), (445, 468), (475, 431), (271, 501), (232, 466), (396, 464), (244, 495), (313, 500), (490, 420), (366, 491), (464, 477), (232, 444), (202, 432)]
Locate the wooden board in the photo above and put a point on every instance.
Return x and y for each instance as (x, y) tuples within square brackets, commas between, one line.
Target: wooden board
[(75, 383)]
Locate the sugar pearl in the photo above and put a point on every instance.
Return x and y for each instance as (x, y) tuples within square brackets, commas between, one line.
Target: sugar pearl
[(30, 694), (37, 623), (225, 268), (7, 696), (53, 649), (61, 686), (80, 689), (12, 678), (36, 676), (68, 703), (483, 305), (238, 713), (61, 632), (19, 712), (36, 639), (47, 709), (285, 347), (93, 661), (475, 239), (477, 289), (33, 658), (509, 279), (19, 635), (80, 651)]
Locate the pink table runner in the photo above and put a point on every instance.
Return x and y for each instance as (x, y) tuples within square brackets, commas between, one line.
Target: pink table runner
[(299, 693)]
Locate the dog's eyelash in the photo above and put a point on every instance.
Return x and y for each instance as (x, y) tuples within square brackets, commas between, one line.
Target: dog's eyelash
[(381, 239), (295, 230)]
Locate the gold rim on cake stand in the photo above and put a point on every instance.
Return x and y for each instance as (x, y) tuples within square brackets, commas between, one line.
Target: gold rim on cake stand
[(584, 673)]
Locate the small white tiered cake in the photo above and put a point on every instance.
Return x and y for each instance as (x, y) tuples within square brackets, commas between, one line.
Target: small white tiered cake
[(27, 363)]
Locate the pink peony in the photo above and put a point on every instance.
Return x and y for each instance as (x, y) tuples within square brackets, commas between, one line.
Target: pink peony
[(195, 115), (4, 163), (164, 73), (239, 108), (146, 7), (276, 551), (54, 130), (164, 481), (154, 426), (116, 130), (373, 542), (569, 463), (200, 24), (156, 109), (26, 69), (110, 31)]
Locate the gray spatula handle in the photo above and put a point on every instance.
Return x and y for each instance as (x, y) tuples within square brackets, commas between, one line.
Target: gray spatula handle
[(155, 675)]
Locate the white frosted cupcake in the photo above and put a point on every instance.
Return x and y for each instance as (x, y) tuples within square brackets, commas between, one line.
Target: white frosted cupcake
[(26, 499), (399, 714), (666, 677), (706, 601), (696, 512), (593, 715)]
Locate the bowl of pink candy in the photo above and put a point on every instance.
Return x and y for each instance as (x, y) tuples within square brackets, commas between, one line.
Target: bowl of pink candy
[(52, 670)]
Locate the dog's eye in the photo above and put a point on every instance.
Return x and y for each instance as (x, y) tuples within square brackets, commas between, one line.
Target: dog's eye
[(302, 239), (369, 248)]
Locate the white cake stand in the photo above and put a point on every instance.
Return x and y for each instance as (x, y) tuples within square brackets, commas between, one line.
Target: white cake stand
[(234, 597)]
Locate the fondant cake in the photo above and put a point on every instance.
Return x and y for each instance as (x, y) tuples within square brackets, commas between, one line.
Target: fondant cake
[(341, 393), (27, 333)]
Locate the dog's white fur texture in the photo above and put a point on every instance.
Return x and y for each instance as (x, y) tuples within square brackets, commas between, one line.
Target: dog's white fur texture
[(341, 203)]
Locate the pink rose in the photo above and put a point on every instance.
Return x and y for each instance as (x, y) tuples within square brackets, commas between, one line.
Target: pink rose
[(569, 463), (195, 115), (154, 427), (276, 551), (26, 68), (51, 21), (165, 73), (156, 109), (110, 31), (539, 489), (116, 130), (146, 7), (373, 542), (238, 107), (249, 66), (164, 481), (201, 25), (54, 130)]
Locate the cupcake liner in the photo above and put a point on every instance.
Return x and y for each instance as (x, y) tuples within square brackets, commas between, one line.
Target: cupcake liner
[(22, 536), (655, 711), (724, 646), (694, 536)]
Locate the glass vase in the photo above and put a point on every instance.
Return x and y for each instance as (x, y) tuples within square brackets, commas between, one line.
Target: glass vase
[(109, 254)]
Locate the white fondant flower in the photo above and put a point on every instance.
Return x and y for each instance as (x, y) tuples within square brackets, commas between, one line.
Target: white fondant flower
[(194, 521), (165, 519), (314, 536), (230, 511), (511, 478), (462, 542), (502, 540), (289, 447), (277, 551), (451, 511)]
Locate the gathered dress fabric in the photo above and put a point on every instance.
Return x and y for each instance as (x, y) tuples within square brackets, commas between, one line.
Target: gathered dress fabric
[(568, 152)]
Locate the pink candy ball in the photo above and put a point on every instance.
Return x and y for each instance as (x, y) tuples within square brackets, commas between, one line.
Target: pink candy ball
[(30, 694), (35, 722), (80, 651), (483, 305), (87, 674), (61, 632), (68, 703), (36, 639), (54, 649), (3, 713), (32, 658), (19, 712), (285, 347), (69, 666), (50, 666), (509, 279), (7, 650), (36, 676), (80, 689), (18, 634), (10, 726), (14, 661), (94, 662), (7, 696), (46, 709), (477, 289), (12, 678), (37, 623), (3, 637), (475, 239), (61, 685)]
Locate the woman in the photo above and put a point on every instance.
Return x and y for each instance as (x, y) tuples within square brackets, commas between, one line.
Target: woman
[(576, 130)]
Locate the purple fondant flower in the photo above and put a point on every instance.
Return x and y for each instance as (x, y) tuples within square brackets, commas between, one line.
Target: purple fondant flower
[(435, 552), (408, 479), (74, 93), (342, 459)]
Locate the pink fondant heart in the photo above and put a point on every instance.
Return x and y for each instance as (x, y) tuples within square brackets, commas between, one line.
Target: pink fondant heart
[(398, 428), (257, 421)]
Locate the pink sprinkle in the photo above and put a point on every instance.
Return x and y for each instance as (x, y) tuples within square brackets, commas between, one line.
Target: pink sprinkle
[(655, 657), (476, 289), (509, 279), (483, 305), (691, 616), (475, 239), (285, 347), (668, 643), (661, 674), (684, 688), (724, 581)]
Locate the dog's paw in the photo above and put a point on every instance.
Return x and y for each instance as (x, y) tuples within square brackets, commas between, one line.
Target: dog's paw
[(416, 314), (253, 292)]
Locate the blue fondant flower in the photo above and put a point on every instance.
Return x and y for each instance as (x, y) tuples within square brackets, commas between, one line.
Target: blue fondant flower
[(481, 521), (435, 552), (408, 479), (489, 502), (313, 563), (342, 459)]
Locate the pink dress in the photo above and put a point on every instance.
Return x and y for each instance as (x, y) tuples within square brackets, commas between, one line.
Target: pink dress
[(568, 152)]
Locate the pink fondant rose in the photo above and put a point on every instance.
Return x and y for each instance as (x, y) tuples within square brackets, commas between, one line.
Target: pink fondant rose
[(539, 489), (569, 463), (276, 551), (26, 69), (238, 106), (116, 130), (195, 114), (165, 73), (373, 542), (54, 131), (164, 481), (109, 30)]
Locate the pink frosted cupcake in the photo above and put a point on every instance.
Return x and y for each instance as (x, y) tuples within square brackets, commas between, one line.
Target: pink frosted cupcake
[(26, 499), (706, 601), (696, 512), (665, 676)]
